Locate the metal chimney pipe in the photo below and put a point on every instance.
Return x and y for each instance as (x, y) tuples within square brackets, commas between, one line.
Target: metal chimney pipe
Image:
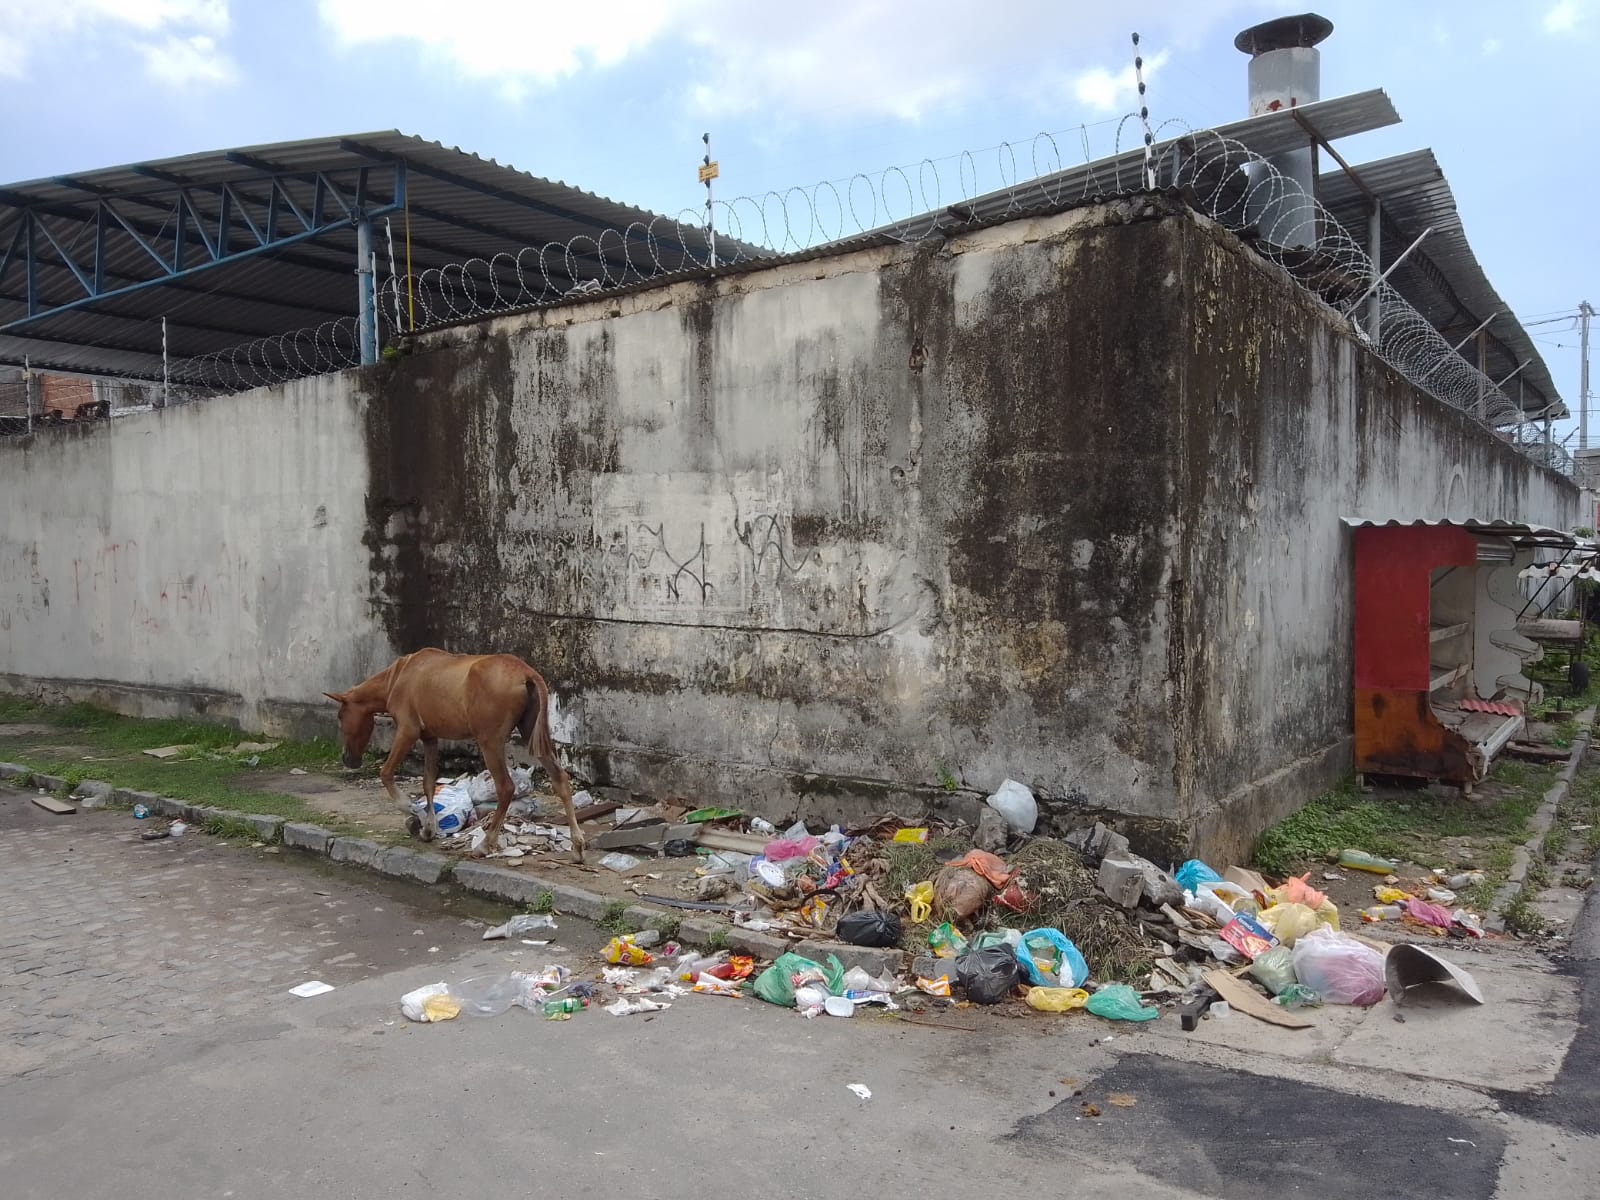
[(1285, 72)]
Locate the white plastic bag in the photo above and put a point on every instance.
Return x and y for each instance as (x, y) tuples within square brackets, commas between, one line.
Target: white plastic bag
[(453, 807), (411, 1002), (1016, 804), (1338, 968), (617, 861)]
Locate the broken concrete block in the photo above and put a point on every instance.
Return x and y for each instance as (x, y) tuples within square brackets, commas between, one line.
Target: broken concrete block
[(1159, 886), (1122, 879), (1098, 841)]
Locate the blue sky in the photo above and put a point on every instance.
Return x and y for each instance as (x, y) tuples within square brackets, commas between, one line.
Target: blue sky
[(612, 95)]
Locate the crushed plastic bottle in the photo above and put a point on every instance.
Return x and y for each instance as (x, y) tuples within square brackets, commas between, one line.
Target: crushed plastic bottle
[(1382, 912), (1360, 860)]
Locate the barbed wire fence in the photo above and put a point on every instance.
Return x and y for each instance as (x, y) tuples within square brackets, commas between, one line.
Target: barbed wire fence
[(1220, 177)]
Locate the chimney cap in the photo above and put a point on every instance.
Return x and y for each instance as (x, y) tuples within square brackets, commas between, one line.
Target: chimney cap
[(1282, 33)]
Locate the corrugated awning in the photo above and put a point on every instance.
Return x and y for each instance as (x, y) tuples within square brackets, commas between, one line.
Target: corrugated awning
[(1517, 531), (1442, 279)]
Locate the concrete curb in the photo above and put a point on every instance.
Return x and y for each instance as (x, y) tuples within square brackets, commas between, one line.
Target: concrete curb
[(1543, 819), (519, 888)]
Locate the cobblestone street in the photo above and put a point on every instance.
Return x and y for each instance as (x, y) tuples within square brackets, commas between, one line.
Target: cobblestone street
[(112, 943)]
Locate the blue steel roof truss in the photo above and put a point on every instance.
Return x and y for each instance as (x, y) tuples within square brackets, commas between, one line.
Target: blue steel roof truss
[(203, 226)]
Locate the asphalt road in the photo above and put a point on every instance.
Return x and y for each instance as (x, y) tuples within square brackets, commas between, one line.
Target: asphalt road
[(151, 1050)]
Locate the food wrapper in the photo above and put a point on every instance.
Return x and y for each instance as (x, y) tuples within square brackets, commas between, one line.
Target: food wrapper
[(935, 987), (621, 950), (710, 985), (1246, 935)]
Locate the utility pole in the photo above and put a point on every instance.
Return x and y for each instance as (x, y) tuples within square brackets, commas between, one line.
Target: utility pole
[(1585, 311), (708, 171)]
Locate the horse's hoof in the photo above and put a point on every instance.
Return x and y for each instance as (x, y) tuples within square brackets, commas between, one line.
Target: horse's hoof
[(414, 826), (428, 832)]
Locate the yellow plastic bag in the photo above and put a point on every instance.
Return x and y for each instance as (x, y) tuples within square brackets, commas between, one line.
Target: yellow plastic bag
[(1288, 922), (1389, 895), (1049, 999), (921, 897), (440, 1008)]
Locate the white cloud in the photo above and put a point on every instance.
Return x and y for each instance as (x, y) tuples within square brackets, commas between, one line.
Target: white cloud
[(180, 62), (1107, 91), (834, 59), (187, 54), (1491, 47), (516, 43), (1564, 17)]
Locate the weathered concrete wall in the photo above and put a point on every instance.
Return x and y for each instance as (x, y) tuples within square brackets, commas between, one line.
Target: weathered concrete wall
[(836, 530), (1288, 425), (204, 558), (1058, 500)]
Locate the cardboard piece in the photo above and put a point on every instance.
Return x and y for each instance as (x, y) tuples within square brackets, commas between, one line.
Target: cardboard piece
[(168, 751), (1250, 881), (1406, 966), (51, 805), (1252, 1003)]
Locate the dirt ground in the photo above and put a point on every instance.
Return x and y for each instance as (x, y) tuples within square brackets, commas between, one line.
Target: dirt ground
[(364, 804)]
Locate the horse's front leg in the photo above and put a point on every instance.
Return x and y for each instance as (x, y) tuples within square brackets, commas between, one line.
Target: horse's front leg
[(404, 739)]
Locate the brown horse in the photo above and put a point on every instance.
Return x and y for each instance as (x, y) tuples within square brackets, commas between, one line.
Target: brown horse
[(433, 695)]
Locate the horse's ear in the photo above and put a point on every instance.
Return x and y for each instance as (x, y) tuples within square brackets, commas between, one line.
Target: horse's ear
[(336, 697)]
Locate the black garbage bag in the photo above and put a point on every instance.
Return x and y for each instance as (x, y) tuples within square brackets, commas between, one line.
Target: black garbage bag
[(868, 928), (987, 976)]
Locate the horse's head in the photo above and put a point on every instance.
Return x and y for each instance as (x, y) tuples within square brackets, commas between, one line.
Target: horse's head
[(355, 727)]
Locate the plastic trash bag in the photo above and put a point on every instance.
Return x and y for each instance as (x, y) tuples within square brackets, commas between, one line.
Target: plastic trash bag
[(947, 941), (960, 892), (1274, 970), (1430, 914), (1016, 804), (452, 806), (1055, 999), (996, 937), (1338, 968), (1119, 1002), (987, 976), (1295, 890), (920, 897), (1290, 922), (1193, 873), (1298, 995), (868, 928), (775, 985), (1049, 959), (415, 1005)]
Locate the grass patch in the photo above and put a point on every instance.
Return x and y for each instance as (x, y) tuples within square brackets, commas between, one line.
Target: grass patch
[(719, 940), (614, 919), (545, 902), (1521, 917), (1409, 825), (667, 926), (208, 774)]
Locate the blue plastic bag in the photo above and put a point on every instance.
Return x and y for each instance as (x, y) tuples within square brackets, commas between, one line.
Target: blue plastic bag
[(1054, 946), (1193, 873)]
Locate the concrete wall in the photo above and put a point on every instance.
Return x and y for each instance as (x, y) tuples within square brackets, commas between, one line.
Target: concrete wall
[(204, 558), (1058, 499)]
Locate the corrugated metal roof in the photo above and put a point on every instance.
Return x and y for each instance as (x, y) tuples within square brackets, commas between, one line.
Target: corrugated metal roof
[(460, 206), (1543, 535), (1442, 279)]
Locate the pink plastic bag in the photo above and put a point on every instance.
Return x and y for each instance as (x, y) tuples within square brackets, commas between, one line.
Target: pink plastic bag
[(1436, 915), (784, 849), (1338, 968)]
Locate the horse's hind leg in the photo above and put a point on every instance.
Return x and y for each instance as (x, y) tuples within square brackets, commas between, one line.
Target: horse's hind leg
[(563, 787), (494, 757), (430, 782)]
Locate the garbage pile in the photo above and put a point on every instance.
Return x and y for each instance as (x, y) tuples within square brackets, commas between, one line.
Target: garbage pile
[(987, 915)]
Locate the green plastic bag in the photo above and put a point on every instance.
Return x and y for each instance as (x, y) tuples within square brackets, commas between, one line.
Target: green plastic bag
[(1298, 995), (1119, 1002), (835, 973), (1274, 969), (775, 985), (947, 941)]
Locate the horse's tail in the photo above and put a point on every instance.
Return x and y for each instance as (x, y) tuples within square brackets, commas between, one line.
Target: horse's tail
[(535, 723)]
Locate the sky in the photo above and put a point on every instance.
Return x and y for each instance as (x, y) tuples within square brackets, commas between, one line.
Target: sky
[(613, 95)]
